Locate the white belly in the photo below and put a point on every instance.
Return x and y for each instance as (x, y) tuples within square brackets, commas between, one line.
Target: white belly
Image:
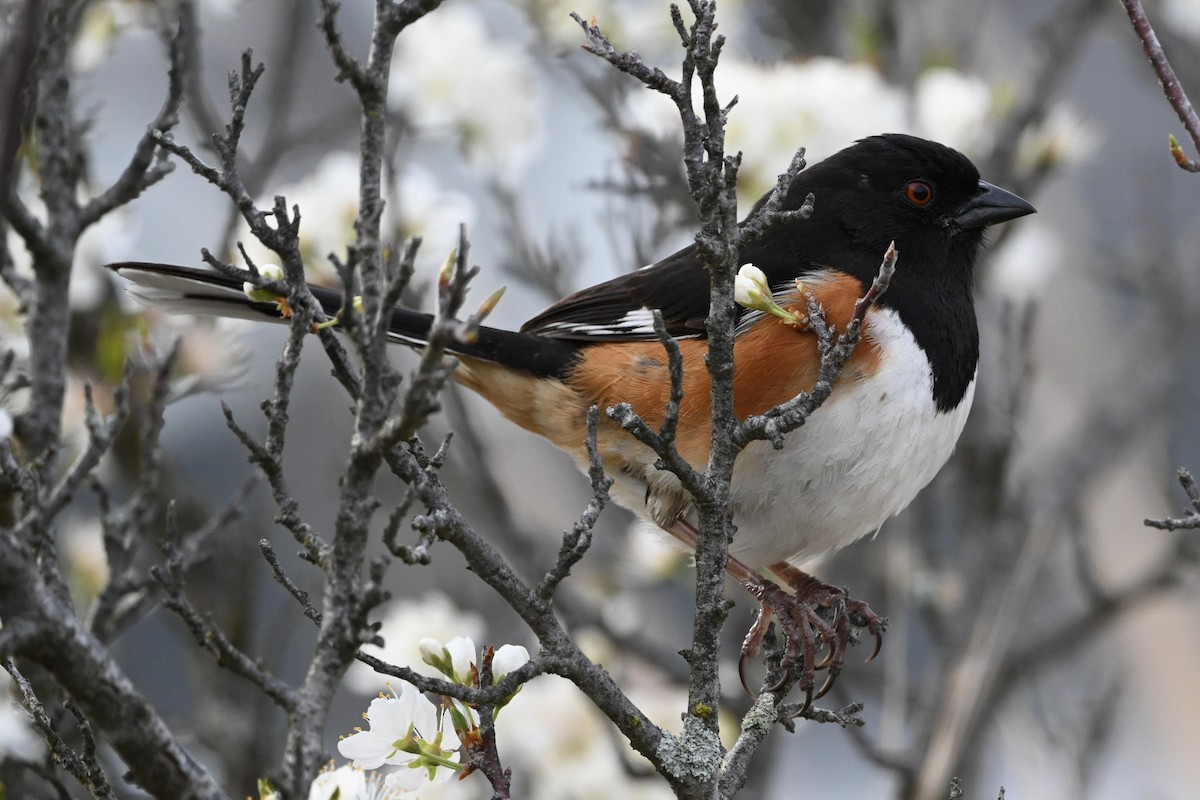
[(861, 458)]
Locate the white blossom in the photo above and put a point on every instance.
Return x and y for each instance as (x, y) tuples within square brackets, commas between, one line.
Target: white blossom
[(1063, 137), (630, 24), (751, 290), (344, 783), (455, 659), (105, 22), (951, 108), (416, 205), (348, 782), (650, 555), (559, 745), (272, 272), (823, 104), (86, 560), (507, 658), (453, 77), (407, 730), (750, 287), (102, 24), (462, 658), (404, 625)]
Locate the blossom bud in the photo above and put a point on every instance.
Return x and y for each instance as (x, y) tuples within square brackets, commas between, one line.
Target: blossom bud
[(750, 288), (272, 272)]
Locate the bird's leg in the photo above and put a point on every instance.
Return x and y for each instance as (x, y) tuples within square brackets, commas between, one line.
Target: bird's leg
[(805, 630), (811, 594)]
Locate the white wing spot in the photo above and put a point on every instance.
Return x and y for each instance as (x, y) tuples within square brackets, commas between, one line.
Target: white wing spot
[(639, 322)]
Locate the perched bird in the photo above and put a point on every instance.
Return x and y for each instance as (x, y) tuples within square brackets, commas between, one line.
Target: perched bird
[(890, 424)]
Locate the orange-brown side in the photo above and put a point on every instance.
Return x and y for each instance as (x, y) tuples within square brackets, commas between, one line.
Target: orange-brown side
[(775, 362)]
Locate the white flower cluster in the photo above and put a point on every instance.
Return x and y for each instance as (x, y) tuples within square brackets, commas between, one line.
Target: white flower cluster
[(554, 740), (406, 730), (457, 659), (452, 77), (328, 201), (560, 745), (825, 104), (404, 625)]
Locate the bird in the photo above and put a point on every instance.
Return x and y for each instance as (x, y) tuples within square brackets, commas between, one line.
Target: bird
[(890, 423)]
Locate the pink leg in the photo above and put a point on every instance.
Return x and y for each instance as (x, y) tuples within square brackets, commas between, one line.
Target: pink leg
[(804, 629)]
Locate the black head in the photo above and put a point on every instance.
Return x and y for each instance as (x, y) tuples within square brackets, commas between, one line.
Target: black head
[(929, 200), (909, 190)]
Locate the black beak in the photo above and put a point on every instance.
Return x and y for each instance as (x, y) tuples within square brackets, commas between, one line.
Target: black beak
[(991, 206)]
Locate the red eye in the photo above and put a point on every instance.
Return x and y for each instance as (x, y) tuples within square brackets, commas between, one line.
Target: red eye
[(919, 193)]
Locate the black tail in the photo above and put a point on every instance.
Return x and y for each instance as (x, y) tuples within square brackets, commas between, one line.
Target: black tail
[(184, 290)]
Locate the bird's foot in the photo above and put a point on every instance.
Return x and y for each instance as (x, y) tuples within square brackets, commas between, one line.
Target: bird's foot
[(807, 630)]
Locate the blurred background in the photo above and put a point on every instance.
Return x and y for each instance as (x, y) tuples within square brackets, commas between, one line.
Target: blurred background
[(1041, 637)]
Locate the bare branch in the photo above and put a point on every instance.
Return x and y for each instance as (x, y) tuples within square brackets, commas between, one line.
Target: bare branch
[(84, 766), (575, 543), (283, 580), (209, 637), (1171, 86), (149, 165), (1191, 518)]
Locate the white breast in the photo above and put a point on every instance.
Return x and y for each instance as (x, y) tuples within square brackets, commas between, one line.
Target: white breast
[(859, 459)]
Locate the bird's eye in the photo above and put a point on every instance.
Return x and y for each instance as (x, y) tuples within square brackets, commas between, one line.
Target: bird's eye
[(919, 193)]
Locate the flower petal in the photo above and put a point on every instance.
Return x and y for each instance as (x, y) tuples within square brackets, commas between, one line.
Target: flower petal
[(349, 783), (407, 779), (365, 749), (390, 717), (508, 658), (462, 655)]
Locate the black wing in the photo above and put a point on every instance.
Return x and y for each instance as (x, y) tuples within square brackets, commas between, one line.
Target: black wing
[(678, 286), (618, 310)]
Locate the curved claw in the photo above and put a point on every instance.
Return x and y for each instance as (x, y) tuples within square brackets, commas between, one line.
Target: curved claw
[(777, 685), (825, 687), (786, 664), (808, 701), (828, 659), (742, 662), (806, 631), (878, 647)]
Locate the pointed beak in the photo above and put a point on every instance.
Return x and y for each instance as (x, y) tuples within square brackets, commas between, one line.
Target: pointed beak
[(992, 205)]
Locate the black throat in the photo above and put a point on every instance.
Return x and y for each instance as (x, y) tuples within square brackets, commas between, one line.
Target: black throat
[(931, 290), (934, 300)]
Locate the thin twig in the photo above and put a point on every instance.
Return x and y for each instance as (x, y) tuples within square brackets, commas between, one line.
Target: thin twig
[(84, 766), (1191, 518), (1171, 86), (575, 542), (286, 582), (210, 638)]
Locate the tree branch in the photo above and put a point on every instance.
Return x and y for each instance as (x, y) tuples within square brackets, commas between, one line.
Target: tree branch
[(1171, 86)]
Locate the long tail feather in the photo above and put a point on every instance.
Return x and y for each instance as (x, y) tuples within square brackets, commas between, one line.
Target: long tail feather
[(185, 290)]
